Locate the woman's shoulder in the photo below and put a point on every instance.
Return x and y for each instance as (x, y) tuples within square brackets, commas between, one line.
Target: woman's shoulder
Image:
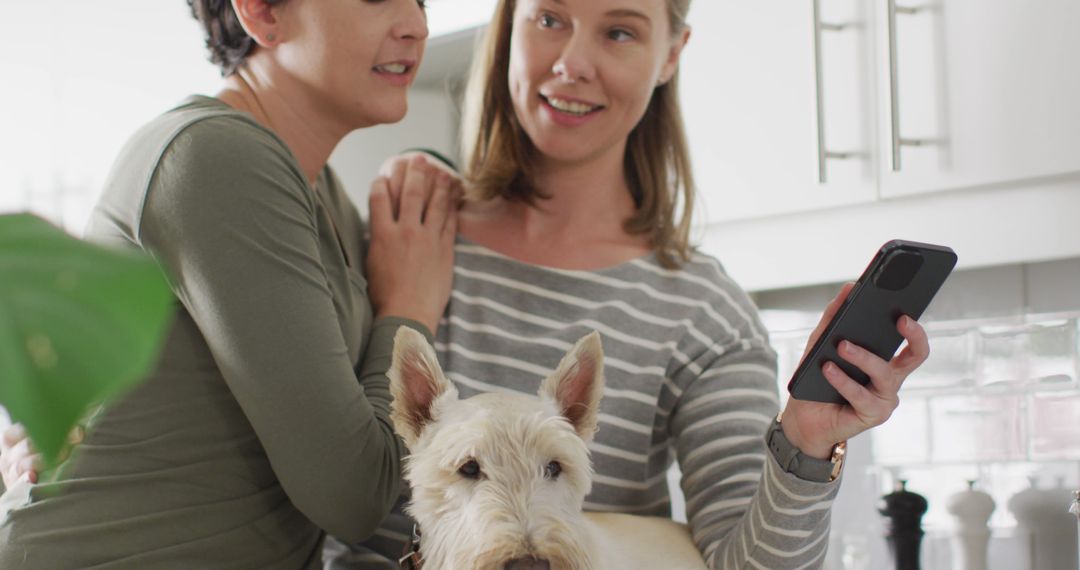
[(203, 137), (206, 127), (186, 157), (701, 275), (199, 135), (712, 298)]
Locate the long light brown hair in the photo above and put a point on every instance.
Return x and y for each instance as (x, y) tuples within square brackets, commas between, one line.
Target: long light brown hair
[(500, 158)]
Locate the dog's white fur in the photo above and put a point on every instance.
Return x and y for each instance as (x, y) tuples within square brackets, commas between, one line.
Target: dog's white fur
[(514, 510)]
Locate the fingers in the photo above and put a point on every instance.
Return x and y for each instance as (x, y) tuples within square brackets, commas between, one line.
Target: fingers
[(917, 350), (29, 466), (827, 316), (841, 296), (887, 376), (429, 195), (416, 190), (412, 179), (397, 182), (457, 188), (871, 408), (393, 170), (450, 226), (874, 404), (19, 461), (380, 207), (880, 372), (13, 434), (438, 207)]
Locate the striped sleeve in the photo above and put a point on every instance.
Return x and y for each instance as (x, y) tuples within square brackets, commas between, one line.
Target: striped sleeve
[(744, 510)]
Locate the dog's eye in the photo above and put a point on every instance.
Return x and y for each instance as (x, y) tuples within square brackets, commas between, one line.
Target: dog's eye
[(470, 469), (552, 470)]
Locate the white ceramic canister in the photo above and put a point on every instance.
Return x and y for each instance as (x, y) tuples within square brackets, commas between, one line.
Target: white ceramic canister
[(971, 510), (1046, 526)]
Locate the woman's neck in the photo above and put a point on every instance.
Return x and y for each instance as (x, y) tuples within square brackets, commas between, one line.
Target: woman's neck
[(309, 134), (580, 225), (587, 199)]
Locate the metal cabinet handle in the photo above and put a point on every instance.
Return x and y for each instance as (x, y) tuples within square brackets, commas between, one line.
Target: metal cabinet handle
[(823, 154), (898, 141)]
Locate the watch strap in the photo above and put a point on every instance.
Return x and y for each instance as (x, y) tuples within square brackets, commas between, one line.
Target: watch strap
[(794, 461)]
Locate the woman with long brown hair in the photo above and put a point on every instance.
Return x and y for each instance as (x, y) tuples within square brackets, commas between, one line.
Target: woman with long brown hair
[(580, 196)]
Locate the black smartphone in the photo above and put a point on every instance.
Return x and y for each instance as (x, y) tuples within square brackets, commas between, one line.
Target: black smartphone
[(901, 280)]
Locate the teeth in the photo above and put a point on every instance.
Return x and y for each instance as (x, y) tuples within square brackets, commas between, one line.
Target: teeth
[(572, 107), (396, 68)]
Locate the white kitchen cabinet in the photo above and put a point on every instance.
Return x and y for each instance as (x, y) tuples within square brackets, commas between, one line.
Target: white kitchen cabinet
[(984, 93), (1024, 222), (993, 86), (748, 81), (749, 86)]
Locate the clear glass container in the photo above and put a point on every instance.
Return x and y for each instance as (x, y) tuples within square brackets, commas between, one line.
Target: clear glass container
[(951, 363), (1055, 425), (1052, 349), (1002, 356), (1042, 352), (977, 428)]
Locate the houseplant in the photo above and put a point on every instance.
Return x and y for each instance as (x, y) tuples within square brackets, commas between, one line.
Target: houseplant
[(79, 324)]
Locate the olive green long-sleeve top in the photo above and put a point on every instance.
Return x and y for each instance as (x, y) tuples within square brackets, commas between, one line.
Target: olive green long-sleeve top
[(253, 435)]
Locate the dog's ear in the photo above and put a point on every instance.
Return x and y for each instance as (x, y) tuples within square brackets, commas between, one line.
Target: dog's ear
[(577, 385), (416, 381)]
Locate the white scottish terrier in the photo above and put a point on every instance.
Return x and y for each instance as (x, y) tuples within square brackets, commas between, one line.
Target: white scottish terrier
[(498, 480)]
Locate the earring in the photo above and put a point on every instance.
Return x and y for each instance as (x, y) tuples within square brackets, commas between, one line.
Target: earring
[(270, 37)]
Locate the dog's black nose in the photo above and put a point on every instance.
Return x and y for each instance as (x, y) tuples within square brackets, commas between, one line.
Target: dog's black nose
[(527, 564)]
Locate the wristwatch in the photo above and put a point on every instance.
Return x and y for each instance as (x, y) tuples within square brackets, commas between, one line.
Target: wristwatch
[(803, 466)]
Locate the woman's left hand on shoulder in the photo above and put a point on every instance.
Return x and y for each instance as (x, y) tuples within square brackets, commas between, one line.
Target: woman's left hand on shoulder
[(815, 427), (411, 255)]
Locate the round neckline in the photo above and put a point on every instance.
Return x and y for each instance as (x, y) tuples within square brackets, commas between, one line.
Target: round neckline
[(199, 98), (647, 258)]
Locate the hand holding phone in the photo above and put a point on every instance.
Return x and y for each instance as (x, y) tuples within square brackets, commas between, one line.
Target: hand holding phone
[(902, 279)]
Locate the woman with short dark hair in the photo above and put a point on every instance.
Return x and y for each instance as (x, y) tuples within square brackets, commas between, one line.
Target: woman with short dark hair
[(253, 436)]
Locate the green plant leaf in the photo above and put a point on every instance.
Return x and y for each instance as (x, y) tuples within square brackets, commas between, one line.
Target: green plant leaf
[(79, 323)]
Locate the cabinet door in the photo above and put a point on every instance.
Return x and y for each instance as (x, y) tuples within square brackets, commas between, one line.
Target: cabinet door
[(991, 87), (749, 94)]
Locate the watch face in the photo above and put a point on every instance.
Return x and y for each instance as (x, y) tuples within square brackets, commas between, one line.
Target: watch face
[(838, 459)]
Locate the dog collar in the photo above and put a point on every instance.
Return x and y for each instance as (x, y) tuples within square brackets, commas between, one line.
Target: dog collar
[(411, 558)]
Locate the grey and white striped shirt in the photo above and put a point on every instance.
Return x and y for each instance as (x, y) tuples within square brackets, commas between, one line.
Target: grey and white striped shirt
[(690, 377)]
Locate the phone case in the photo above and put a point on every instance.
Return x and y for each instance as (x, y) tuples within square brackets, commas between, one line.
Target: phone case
[(902, 279)]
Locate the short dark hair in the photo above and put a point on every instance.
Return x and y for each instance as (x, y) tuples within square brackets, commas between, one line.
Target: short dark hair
[(226, 39)]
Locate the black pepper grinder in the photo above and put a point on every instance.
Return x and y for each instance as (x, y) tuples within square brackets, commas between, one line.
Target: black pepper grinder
[(904, 511)]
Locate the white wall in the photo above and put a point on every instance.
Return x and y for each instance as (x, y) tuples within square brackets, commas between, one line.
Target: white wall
[(78, 78)]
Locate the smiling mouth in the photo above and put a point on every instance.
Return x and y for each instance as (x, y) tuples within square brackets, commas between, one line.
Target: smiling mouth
[(393, 68), (574, 108)]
